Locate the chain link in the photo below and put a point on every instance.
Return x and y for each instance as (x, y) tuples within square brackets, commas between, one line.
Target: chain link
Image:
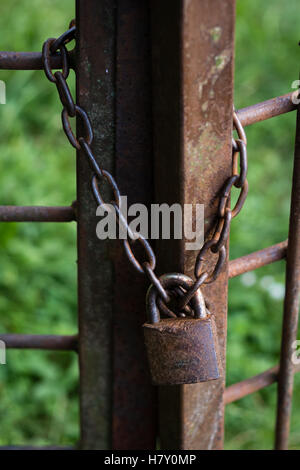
[(217, 243), (46, 54)]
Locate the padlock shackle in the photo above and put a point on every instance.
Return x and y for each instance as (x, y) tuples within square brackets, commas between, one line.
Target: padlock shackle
[(170, 281)]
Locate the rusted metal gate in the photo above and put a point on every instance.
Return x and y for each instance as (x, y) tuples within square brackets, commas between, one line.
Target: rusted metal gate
[(156, 79)]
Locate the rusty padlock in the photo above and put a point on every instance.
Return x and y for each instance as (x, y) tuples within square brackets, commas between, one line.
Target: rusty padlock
[(181, 350)]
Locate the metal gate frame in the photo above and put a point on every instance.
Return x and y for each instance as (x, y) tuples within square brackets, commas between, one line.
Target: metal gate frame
[(177, 54)]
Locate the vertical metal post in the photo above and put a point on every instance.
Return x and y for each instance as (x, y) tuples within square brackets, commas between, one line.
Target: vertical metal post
[(192, 90), (134, 410), (95, 75), (113, 86), (291, 308)]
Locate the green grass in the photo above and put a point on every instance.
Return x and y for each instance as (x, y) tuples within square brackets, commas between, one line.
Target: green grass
[(38, 390)]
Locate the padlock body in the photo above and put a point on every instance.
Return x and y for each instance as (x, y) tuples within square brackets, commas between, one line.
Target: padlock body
[(182, 350)]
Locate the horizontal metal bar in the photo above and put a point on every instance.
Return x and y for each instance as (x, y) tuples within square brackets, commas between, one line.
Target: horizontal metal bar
[(55, 342), (257, 259), (246, 387), (267, 109), (30, 60), (37, 214)]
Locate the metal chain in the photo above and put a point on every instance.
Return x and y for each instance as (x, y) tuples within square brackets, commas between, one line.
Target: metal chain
[(217, 244), (83, 143)]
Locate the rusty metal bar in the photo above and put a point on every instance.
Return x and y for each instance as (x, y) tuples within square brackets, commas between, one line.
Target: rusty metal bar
[(29, 60), (267, 109), (63, 343), (134, 413), (257, 259), (291, 307), (36, 214), (95, 76), (114, 87), (246, 387), (192, 92)]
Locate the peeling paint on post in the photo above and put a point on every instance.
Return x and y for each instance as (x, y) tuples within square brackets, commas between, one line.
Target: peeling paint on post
[(193, 85)]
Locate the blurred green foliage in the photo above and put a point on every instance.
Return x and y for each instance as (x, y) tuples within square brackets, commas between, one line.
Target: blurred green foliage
[(267, 55), (38, 390)]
